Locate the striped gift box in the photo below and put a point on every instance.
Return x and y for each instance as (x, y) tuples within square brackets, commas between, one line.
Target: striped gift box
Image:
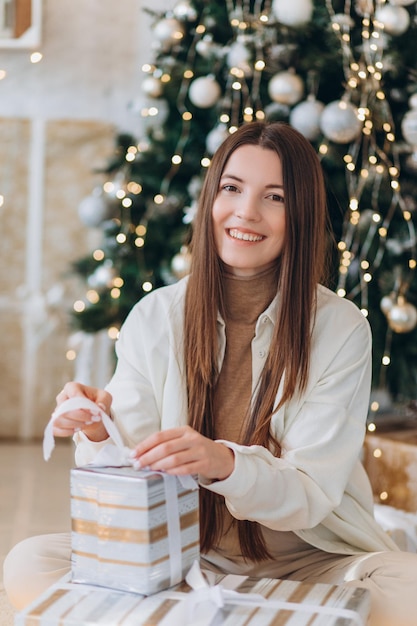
[(258, 602), (132, 531)]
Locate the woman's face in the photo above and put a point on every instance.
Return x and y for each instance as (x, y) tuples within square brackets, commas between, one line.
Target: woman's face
[(249, 211)]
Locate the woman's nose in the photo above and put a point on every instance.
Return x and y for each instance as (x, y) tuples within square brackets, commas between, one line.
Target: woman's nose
[(247, 208)]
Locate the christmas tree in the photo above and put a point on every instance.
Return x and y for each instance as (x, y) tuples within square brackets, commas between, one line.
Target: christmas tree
[(345, 75)]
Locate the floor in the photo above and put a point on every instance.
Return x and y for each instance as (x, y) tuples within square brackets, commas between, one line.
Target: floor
[(34, 495), (34, 499)]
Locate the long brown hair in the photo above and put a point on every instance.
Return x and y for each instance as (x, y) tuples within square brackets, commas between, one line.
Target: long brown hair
[(301, 267)]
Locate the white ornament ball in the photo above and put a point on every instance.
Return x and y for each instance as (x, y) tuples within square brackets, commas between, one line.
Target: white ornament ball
[(239, 56), (409, 127), (402, 318), (339, 122), (413, 101), (152, 86), (286, 88), (216, 137), (294, 13), (94, 209), (103, 276), (387, 303), (395, 19), (184, 10), (305, 117), (168, 30), (204, 92), (181, 263)]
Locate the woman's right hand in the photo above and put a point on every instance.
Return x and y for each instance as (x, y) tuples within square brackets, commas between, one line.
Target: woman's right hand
[(82, 420)]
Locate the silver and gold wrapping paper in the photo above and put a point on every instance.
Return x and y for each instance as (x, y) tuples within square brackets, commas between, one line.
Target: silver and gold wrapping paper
[(132, 531)]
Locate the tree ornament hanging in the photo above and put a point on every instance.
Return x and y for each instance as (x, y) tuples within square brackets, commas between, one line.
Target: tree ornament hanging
[(184, 10), (95, 209), (286, 88), (181, 263), (339, 122), (305, 117), (409, 123), (204, 92), (216, 137), (387, 302), (240, 55), (168, 31), (295, 13), (103, 276), (152, 87), (402, 317), (395, 19)]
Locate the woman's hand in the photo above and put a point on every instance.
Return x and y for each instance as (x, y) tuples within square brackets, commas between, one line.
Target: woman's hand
[(182, 451), (73, 421)]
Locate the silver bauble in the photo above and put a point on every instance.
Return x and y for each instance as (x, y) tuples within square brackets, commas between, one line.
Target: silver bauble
[(152, 86), (181, 263), (239, 56), (204, 92), (95, 209), (395, 19), (339, 122), (402, 318), (168, 31), (294, 13), (184, 10), (409, 127), (387, 303), (286, 88), (216, 137), (103, 276), (305, 117)]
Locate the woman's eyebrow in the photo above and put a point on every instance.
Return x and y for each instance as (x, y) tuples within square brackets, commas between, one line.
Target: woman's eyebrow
[(240, 180)]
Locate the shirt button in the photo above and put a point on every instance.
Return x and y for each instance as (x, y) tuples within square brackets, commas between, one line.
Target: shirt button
[(261, 353)]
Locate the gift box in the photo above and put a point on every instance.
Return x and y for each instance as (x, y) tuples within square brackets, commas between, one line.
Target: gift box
[(232, 601), (390, 459), (132, 530)]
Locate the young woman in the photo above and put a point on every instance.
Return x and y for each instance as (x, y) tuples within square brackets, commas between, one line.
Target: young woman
[(256, 377)]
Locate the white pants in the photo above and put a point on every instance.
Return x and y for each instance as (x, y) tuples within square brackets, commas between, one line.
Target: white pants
[(38, 562)]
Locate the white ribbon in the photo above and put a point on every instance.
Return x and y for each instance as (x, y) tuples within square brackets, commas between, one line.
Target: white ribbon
[(116, 454), (199, 607)]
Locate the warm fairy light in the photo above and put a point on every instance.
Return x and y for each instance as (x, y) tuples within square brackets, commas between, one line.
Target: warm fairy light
[(343, 270), (341, 293), (134, 188), (205, 162), (380, 95), (108, 186), (121, 238), (92, 296), (201, 29), (176, 159), (382, 232), (350, 167), (364, 173), (188, 74), (386, 360), (139, 242), (35, 57), (147, 286), (78, 306), (159, 198), (259, 65), (412, 264), (365, 264), (165, 78), (260, 115), (187, 116), (98, 255), (341, 245), (146, 67), (115, 293), (113, 332), (118, 282), (377, 453), (120, 194), (140, 230), (127, 203), (383, 495), (224, 118), (375, 406), (371, 426), (323, 149), (71, 355), (365, 312), (376, 218), (130, 157), (372, 159), (248, 111), (367, 277), (236, 85), (395, 185)]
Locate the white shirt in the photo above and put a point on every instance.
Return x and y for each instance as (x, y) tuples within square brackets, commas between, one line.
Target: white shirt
[(318, 487)]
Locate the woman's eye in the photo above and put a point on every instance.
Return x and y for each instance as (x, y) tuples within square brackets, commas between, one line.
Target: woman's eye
[(229, 187)]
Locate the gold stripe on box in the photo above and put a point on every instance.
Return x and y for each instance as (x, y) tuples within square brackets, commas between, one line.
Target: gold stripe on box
[(123, 535), (160, 612), (128, 507), (284, 615), (101, 559), (32, 619)]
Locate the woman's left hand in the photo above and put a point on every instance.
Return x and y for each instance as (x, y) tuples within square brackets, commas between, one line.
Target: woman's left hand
[(182, 451)]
